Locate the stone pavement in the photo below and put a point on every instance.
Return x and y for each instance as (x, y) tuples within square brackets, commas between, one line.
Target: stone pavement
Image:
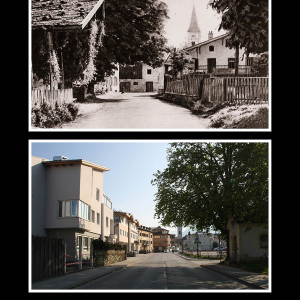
[(257, 280), (71, 280)]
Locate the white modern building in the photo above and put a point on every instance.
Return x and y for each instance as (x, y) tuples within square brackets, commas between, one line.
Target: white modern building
[(68, 202)]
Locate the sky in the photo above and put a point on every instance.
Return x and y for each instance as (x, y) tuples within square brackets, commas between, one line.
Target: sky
[(132, 165), (180, 12)]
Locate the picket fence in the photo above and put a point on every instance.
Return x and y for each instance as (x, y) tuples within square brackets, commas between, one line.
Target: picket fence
[(238, 90), (40, 96)]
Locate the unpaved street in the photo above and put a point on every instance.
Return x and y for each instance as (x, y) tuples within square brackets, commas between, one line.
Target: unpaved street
[(134, 111)]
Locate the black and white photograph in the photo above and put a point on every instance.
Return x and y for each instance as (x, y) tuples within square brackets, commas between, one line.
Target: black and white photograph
[(149, 65)]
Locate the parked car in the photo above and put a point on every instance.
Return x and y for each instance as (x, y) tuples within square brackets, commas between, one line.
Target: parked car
[(218, 248), (166, 250)]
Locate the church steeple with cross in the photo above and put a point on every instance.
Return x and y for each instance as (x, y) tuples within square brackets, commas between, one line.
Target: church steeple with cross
[(194, 33)]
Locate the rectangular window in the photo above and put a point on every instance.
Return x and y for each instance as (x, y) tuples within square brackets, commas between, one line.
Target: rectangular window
[(68, 208), (148, 71), (98, 218), (231, 62), (106, 221), (74, 208), (79, 241), (85, 243), (93, 216), (97, 194), (60, 209)]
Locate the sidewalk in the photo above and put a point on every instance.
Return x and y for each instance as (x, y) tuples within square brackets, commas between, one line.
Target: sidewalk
[(259, 281), (71, 280)]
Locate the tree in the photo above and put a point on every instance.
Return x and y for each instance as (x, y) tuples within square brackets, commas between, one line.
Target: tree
[(181, 62), (206, 184), (133, 33), (247, 23)]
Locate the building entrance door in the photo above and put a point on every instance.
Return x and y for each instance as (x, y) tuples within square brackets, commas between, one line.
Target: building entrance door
[(125, 87), (211, 65), (149, 86)]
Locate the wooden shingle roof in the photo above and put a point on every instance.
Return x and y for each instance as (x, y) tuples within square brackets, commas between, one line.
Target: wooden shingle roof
[(62, 13)]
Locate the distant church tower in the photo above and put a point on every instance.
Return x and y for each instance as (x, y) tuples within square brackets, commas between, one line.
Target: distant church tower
[(194, 33), (179, 231)]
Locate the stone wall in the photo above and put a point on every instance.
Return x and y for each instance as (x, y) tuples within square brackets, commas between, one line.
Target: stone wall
[(103, 257)]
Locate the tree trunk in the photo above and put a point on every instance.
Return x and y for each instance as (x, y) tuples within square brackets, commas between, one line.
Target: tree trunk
[(237, 52)]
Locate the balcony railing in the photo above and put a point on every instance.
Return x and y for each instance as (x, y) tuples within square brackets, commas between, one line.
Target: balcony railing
[(225, 70)]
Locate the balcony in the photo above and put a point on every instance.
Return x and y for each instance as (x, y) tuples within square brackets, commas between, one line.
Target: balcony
[(224, 70)]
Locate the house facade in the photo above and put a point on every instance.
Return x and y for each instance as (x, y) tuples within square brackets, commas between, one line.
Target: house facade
[(141, 78), (208, 241), (68, 202), (126, 230), (145, 239), (161, 239), (213, 56), (247, 246)]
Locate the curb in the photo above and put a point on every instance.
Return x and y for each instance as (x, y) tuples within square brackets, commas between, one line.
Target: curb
[(233, 277), (103, 274), (182, 256), (93, 278)]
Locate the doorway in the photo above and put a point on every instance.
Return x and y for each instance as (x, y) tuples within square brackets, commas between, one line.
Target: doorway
[(211, 65), (149, 86), (125, 87)]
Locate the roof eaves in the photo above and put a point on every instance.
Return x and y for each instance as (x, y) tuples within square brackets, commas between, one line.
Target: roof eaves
[(206, 42)]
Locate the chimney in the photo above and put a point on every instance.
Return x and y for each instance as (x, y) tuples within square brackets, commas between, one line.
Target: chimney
[(210, 35)]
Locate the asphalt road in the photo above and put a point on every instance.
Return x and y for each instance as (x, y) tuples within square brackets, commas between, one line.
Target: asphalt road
[(161, 271), (135, 111)]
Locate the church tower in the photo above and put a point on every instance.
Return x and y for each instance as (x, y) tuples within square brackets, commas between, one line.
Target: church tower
[(194, 33), (179, 232)]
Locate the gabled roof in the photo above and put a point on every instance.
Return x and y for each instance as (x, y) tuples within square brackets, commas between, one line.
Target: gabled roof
[(206, 42), (194, 27), (62, 13)]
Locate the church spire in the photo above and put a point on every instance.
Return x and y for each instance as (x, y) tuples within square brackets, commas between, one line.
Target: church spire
[(194, 27)]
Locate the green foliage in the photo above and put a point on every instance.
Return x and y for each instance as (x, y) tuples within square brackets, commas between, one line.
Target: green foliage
[(133, 32), (261, 66), (246, 21), (181, 61), (206, 184), (101, 245), (46, 116)]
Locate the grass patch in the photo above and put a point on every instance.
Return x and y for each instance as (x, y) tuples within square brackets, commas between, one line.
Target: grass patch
[(257, 267), (202, 256), (258, 120)]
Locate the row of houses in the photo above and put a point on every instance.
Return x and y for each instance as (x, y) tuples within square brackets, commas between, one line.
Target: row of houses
[(68, 202), (211, 56)]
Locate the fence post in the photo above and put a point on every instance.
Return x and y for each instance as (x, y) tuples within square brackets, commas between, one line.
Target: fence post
[(80, 257), (225, 90), (92, 254), (65, 260)]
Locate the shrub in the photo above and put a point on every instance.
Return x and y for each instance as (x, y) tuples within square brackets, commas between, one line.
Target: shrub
[(47, 116), (101, 245)]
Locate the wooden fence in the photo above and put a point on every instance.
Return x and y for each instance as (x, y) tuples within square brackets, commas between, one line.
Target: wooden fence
[(47, 257), (238, 90), (38, 97)]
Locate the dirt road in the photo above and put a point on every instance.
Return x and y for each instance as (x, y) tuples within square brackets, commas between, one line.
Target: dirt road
[(134, 111)]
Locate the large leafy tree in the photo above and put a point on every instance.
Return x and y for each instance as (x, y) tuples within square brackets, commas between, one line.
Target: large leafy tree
[(247, 23), (132, 31), (206, 184)]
